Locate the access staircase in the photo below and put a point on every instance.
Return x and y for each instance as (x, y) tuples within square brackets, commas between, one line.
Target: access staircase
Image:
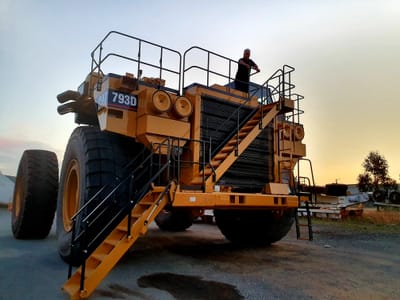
[(85, 280), (105, 227), (231, 151)]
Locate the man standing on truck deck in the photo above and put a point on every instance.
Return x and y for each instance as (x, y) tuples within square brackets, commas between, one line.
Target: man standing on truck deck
[(245, 65)]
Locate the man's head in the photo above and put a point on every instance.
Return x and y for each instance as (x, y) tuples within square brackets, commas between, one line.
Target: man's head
[(246, 53)]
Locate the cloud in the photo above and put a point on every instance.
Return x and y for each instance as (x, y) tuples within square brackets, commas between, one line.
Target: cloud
[(11, 150)]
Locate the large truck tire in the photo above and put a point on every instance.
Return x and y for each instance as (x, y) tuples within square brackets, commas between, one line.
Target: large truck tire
[(394, 197), (35, 195), (92, 159), (379, 195), (254, 227), (174, 219)]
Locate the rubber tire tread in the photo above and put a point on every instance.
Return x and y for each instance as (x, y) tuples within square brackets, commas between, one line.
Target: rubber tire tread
[(379, 195), (174, 219), (101, 157), (394, 197), (37, 186), (254, 227)]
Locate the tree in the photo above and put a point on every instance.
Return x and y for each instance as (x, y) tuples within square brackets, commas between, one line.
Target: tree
[(365, 182), (376, 174)]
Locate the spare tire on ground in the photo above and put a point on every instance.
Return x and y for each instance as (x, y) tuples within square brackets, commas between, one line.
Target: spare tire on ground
[(35, 195)]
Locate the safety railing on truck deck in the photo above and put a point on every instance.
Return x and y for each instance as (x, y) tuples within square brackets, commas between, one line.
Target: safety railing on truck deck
[(207, 69), (276, 88), (99, 58), (295, 115)]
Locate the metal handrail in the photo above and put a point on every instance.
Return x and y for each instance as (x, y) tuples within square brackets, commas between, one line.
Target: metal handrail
[(311, 182), (97, 62), (229, 77), (100, 208)]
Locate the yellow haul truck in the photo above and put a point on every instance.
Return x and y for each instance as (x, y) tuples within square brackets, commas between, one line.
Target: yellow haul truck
[(151, 147)]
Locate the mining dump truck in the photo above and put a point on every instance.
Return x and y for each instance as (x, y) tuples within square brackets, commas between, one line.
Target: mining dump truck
[(162, 136)]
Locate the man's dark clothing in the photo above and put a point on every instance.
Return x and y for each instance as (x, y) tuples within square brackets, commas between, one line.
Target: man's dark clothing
[(243, 75)]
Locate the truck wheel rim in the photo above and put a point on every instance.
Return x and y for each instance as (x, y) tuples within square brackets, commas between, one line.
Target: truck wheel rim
[(71, 194), (17, 197)]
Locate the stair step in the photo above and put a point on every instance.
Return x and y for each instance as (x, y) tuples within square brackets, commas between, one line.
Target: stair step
[(135, 216), (88, 272), (215, 163), (197, 180), (206, 172), (122, 228), (111, 242), (247, 128), (148, 203), (103, 249), (253, 122), (220, 156), (232, 142), (98, 256), (227, 149)]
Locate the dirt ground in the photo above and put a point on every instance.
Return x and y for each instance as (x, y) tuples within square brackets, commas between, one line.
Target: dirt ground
[(354, 259)]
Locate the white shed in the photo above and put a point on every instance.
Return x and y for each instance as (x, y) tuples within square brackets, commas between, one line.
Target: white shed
[(6, 189)]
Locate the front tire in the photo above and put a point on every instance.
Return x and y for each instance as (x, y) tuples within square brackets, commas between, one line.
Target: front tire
[(92, 160), (254, 227), (35, 195)]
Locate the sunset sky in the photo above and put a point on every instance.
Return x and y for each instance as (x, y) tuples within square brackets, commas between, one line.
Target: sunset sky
[(346, 55)]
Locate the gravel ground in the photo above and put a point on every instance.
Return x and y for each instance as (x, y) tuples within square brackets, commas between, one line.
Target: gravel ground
[(343, 262)]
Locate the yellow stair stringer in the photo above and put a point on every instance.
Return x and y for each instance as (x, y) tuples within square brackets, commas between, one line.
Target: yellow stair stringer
[(111, 250), (243, 144)]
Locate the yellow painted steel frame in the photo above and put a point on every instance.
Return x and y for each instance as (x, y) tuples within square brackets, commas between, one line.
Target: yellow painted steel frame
[(145, 113), (215, 200)]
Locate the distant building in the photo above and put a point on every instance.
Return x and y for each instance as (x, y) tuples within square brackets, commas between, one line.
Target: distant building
[(6, 188)]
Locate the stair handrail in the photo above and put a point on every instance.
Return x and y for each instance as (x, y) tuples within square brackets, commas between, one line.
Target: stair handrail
[(129, 205), (86, 221), (108, 185), (311, 182)]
